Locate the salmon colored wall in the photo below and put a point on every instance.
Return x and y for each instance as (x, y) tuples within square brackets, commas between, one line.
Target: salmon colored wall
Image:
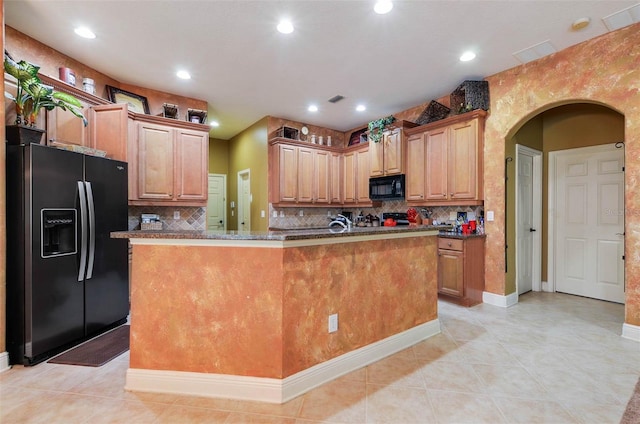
[(249, 150), (23, 47), (263, 312), (604, 70)]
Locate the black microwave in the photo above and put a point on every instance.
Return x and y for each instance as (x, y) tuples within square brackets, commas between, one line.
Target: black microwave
[(386, 188)]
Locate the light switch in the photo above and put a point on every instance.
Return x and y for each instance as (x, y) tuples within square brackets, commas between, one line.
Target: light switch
[(489, 215), (262, 214)]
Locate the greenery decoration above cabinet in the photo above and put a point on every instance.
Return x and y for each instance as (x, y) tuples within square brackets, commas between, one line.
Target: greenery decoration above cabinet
[(377, 127)]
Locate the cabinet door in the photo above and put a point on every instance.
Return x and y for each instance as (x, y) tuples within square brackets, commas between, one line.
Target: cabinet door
[(192, 159), (376, 158), (155, 162), (64, 127), (451, 272), (393, 159), (336, 178), (436, 144), (288, 170), (349, 177), (108, 129), (362, 176), (463, 148), (305, 175), (322, 176), (415, 178)]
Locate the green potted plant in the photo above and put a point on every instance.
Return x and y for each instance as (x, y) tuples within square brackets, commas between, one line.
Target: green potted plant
[(31, 97), (377, 127)]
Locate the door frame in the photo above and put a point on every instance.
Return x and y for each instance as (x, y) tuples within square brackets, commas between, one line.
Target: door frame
[(242, 173), (536, 270), (551, 201), (224, 208)]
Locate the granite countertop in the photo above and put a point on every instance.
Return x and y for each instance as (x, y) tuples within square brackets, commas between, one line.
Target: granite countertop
[(277, 235), (454, 235)]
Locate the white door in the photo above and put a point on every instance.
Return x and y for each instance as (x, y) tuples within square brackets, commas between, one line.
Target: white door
[(589, 222), (528, 219), (217, 202), (244, 200)]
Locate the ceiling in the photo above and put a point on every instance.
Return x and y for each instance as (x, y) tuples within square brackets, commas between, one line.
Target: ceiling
[(246, 70)]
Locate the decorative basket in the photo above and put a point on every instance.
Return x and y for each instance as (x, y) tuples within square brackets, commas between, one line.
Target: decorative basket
[(433, 112), (157, 225), (470, 95), (287, 132)]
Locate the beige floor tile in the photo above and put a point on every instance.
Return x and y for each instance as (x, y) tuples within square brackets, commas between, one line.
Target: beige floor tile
[(589, 412), (243, 418), (180, 414), (339, 401), (393, 404), (451, 376), (509, 380), (117, 411), (526, 411), (398, 370), (459, 408)]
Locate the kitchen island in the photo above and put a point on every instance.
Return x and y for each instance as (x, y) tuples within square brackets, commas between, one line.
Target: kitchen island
[(245, 315)]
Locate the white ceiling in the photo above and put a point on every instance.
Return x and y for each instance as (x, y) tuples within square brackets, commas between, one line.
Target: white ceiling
[(246, 70)]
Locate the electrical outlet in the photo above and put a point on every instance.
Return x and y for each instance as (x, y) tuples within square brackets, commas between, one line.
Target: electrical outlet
[(176, 214), (301, 213), (275, 214), (262, 214), (333, 323)]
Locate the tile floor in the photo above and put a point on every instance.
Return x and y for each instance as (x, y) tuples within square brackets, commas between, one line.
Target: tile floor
[(552, 358)]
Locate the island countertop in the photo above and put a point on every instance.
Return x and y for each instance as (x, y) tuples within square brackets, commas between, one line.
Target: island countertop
[(284, 234)]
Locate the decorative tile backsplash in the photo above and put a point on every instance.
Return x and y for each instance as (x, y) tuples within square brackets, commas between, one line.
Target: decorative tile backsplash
[(191, 218), (319, 217)]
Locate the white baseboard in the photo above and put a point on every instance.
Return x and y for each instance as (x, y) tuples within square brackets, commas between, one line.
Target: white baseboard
[(499, 300), (4, 362), (545, 286), (631, 332), (274, 390)]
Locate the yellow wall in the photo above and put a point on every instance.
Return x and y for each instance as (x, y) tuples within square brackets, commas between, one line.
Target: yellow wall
[(249, 150), (218, 156)]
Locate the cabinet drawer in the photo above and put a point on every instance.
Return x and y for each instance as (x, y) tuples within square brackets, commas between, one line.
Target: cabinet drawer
[(450, 244)]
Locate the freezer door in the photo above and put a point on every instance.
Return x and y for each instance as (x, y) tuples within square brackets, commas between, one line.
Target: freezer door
[(54, 299), (107, 284)]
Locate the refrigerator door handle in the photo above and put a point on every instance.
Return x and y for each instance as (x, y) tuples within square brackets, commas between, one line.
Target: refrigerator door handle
[(83, 230), (92, 230)]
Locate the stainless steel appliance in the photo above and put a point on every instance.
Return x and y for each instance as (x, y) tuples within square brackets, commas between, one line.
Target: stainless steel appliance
[(387, 188), (67, 279)]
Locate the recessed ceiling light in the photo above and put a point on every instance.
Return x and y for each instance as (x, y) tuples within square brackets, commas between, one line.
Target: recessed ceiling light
[(84, 32), (285, 26), (214, 123), (183, 75), (361, 108), (467, 56), (312, 108), (383, 6), (581, 23)]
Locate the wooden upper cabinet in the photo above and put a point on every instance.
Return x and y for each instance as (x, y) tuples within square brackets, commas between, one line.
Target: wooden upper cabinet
[(415, 177), (436, 164), (453, 154), (108, 130), (386, 157), (303, 175), (192, 168), (64, 127), (463, 161), (171, 165), (335, 171), (362, 177), (349, 184), (355, 174), (155, 162)]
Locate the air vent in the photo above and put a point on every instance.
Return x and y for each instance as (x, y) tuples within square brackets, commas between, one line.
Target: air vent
[(535, 52), (336, 99), (622, 18)]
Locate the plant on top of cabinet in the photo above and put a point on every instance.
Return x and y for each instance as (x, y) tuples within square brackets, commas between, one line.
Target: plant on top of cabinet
[(377, 127), (32, 95)]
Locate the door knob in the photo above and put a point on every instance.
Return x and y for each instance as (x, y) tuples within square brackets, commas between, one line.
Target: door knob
[(221, 221), (531, 230), (242, 223)]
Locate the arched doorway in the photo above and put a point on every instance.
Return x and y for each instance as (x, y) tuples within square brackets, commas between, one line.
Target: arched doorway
[(566, 128)]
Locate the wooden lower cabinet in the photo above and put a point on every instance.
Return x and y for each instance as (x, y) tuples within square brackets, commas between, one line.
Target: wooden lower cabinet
[(461, 269)]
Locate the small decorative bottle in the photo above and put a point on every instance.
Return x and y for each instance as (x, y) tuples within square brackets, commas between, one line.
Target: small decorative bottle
[(328, 140)]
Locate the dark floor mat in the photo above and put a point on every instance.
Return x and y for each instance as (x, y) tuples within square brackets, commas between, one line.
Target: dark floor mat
[(97, 351)]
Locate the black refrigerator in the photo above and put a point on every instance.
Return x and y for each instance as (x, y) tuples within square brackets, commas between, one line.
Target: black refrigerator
[(67, 279)]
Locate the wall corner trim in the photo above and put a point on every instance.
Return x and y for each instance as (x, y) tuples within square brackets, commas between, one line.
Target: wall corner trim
[(499, 300), (4, 362), (631, 332), (273, 390)]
